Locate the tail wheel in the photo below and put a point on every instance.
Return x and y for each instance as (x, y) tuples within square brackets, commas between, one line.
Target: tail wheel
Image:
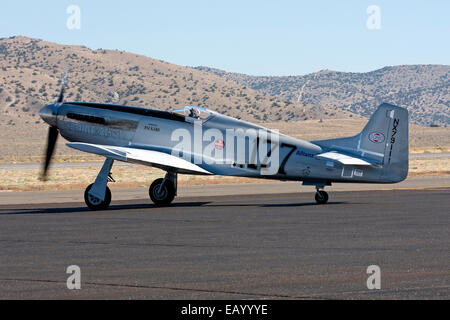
[(162, 193), (321, 197), (94, 203)]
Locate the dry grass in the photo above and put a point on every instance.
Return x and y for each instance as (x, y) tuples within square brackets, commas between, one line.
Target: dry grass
[(139, 176), (79, 178), (20, 147), (26, 145), (429, 167), (421, 139)]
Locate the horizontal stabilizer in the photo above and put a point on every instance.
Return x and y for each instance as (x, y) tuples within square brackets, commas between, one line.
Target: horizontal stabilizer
[(146, 157), (344, 159)]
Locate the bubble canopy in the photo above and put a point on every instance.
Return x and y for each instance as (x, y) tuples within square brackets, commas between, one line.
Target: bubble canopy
[(195, 112)]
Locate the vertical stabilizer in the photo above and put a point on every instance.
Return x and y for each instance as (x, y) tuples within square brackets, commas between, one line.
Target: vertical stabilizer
[(383, 141)]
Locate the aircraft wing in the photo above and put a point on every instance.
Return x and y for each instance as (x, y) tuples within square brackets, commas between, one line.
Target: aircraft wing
[(146, 157), (344, 159)]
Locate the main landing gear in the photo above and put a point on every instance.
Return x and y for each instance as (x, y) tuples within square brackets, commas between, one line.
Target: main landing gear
[(163, 191), (321, 196), (98, 196)]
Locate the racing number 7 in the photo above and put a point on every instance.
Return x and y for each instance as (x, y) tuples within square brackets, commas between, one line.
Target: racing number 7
[(285, 160)]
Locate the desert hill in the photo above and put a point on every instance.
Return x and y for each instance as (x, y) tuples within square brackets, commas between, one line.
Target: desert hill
[(30, 72), (423, 89)]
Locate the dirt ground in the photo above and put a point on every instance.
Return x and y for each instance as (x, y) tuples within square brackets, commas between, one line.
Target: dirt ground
[(26, 145), (139, 176)]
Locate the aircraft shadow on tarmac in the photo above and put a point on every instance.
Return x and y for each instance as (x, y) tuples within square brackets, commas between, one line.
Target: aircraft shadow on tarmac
[(276, 205), (304, 204), (80, 209), (76, 209)]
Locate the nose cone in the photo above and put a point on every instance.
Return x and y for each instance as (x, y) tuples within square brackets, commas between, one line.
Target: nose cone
[(48, 114)]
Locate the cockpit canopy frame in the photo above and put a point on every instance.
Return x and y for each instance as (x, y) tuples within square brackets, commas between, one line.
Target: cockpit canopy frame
[(195, 113)]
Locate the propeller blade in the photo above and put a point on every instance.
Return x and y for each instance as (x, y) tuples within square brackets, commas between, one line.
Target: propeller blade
[(51, 143), (63, 87), (61, 96)]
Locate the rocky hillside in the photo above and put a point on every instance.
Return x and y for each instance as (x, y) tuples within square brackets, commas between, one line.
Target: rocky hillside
[(30, 72), (423, 89)]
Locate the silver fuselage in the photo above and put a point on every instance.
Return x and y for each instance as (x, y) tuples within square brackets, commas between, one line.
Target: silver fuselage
[(153, 130)]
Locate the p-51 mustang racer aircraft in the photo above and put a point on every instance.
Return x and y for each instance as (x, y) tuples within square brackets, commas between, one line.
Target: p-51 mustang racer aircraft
[(202, 142)]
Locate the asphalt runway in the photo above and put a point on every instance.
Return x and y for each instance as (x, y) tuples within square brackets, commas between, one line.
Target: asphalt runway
[(260, 246)]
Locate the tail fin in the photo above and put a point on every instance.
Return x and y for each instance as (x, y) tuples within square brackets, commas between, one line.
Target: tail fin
[(383, 141)]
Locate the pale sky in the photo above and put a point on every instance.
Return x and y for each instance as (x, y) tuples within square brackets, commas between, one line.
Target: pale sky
[(253, 37)]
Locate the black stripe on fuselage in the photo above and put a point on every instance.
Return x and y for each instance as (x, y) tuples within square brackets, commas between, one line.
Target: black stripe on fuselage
[(86, 118), (133, 110)]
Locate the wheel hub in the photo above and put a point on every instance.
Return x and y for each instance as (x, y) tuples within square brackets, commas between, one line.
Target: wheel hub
[(160, 192), (94, 200)]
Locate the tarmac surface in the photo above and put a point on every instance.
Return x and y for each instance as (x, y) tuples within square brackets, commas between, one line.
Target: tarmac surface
[(275, 245)]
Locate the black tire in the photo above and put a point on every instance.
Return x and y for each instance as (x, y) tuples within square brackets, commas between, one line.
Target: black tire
[(321, 197), (163, 196), (93, 202)]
